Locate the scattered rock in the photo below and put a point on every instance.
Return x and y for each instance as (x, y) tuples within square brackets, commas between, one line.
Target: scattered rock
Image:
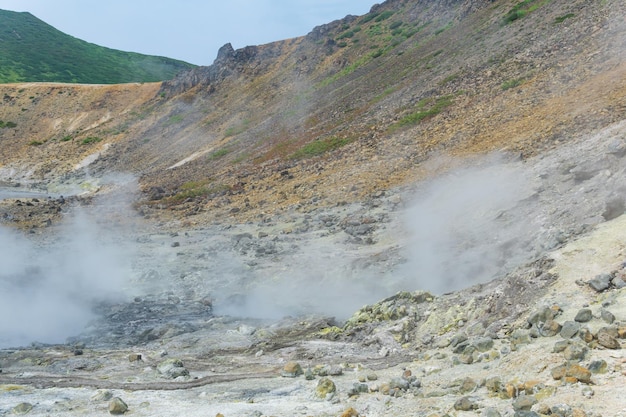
[(292, 370), (569, 329), (607, 337), (465, 404), (607, 316), (172, 368), (524, 402), (325, 389), (350, 412), (584, 315), (102, 395), (117, 406), (600, 282)]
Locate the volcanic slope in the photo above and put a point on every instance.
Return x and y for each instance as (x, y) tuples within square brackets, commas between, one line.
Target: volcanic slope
[(353, 107)]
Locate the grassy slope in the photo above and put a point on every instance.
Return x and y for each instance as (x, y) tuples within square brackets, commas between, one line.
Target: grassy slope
[(32, 50)]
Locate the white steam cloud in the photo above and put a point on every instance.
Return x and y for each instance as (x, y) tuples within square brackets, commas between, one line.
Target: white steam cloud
[(463, 228), (49, 288)]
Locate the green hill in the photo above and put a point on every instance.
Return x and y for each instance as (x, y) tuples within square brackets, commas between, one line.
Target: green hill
[(33, 51)]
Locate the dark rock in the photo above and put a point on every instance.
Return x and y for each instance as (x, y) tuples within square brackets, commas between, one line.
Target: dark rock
[(600, 282), (584, 315), (561, 410)]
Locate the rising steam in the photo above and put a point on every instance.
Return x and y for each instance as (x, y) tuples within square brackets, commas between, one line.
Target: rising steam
[(48, 289)]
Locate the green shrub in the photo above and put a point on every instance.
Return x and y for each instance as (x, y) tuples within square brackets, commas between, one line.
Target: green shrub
[(91, 139), (560, 19), (66, 138), (384, 15), (218, 154), (369, 17), (395, 25), (8, 125), (423, 113), (35, 143), (512, 83), (523, 8), (319, 147)]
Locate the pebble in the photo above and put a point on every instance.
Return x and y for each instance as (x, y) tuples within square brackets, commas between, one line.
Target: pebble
[(524, 402), (600, 282), (569, 329), (607, 337), (292, 370), (325, 389), (117, 406), (583, 316), (607, 316), (465, 404)]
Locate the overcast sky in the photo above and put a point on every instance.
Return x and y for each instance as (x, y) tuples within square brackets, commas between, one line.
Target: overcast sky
[(190, 30)]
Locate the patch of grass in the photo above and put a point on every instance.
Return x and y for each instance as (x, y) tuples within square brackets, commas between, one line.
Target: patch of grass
[(449, 79), (213, 156), (522, 9), (515, 82), (35, 143), (175, 119), (426, 109), (66, 138), (319, 147), (561, 19), (90, 139), (384, 15), (7, 125), (345, 71), (195, 189), (369, 17), (238, 129)]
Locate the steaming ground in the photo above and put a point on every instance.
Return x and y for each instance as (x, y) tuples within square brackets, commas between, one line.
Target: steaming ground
[(474, 221)]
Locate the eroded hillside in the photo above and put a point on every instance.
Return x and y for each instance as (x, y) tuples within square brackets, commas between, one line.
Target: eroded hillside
[(350, 109)]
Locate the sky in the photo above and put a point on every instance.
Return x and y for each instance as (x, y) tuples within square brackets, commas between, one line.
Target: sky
[(189, 30)]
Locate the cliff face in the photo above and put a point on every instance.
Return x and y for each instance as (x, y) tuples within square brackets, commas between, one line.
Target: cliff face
[(359, 102)]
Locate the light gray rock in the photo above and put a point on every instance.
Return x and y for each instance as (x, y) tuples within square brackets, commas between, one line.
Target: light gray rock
[(569, 329), (117, 406), (172, 368)]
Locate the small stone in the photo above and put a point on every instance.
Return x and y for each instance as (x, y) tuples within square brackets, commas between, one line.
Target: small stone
[(308, 375), (134, 357), (399, 383), (569, 329), (117, 406), (490, 412), (560, 346), (526, 413), (561, 410), (579, 372), (587, 391), (292, 370), (550, 328), (468, 385), (598, 367), (371, 376), (350, 412), (325, 389), (585, 334), (575, 352), (172, 368), (22, 408), (335, 370), (600, 282), (465, 404), (524, 402), (607, 340), (607, 316), (483, 344), (558, 372), (584, 315), (542, 315), (102, 395)]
